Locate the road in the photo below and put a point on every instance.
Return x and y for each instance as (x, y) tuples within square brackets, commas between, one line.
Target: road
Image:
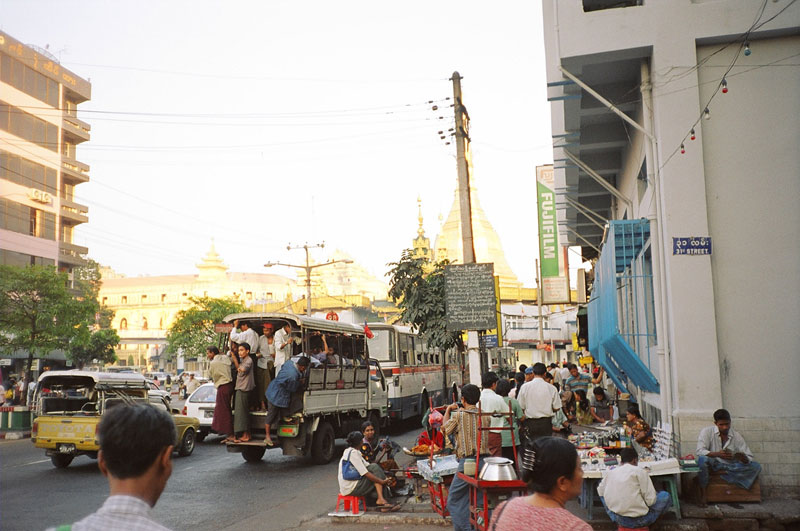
[(211, 489)]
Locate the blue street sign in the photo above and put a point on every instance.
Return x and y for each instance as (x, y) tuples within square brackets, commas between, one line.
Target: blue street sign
[(691, 245)]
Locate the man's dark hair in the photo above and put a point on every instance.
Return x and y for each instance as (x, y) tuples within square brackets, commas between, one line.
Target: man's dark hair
[(722, 414), (246, 345), (571, 366), (599, 391), (488, 379), (628, 455), (471, 394), (354, 439), (520, 378), (303, 362), (633, 409), (539, 369), (245, 323), (503, 387), (552, 457), (553, 365), (212, 349), (132, 437), (522, 368)]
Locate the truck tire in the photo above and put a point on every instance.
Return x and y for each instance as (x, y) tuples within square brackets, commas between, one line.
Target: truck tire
[(187, 443), (323, 445), (253, 454), (61, 460)]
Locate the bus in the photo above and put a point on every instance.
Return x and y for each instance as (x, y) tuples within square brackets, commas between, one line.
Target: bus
[(414, 372)]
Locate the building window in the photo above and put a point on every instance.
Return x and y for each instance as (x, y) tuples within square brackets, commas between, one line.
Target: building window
[(28, 80), (27, 126), (163, 297), (124, 299), (249, 295), (144, 323), (27, 173), (144, 299), (123, 324), (105, 300), (23, 219), (161, 323)]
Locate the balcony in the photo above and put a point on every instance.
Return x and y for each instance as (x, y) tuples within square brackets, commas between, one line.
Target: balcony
[(73, 171), (74, 212), (77, 130), (69, 253)]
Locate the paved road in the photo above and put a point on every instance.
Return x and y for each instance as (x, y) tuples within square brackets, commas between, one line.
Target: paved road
[(211, 489)]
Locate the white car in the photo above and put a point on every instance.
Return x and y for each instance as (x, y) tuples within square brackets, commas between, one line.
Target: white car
[(200, 405), (155, 390)]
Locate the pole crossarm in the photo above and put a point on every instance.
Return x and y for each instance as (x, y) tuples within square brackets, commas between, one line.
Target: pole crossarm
[(597, 177)]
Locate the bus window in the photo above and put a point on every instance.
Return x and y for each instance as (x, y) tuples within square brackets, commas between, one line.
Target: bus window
[(419, 351), (382, 347), (406, 350)]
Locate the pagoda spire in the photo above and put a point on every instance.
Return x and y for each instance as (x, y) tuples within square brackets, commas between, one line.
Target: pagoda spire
[(422, 245)]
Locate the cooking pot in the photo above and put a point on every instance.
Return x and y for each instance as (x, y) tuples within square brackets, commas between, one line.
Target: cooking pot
[(498, 469)]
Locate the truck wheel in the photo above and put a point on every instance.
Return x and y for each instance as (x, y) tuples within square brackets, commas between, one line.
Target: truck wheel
[(253, 454), (187, 443), (201, 435), (323, 445), (61, 460)]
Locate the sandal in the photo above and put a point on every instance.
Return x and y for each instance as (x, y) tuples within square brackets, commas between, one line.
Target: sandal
[(270, 443), (389, 508), (245, 438)]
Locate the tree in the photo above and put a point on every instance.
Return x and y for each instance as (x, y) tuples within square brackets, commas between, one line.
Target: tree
[(90, 345), (38, 314), (193, 329), (417, 287), (88, 281)]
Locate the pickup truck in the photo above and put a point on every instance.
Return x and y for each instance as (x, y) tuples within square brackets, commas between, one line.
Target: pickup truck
[(339, 394), (69, 405)]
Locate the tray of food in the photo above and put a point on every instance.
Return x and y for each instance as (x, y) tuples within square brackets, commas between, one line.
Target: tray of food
[(421, 450)]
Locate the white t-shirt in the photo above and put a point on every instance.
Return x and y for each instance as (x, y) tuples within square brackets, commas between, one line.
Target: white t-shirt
[(281, 354), (538, 399), (346, 486), (491, 402)]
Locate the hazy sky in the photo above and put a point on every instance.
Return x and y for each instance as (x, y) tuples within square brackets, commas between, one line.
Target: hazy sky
[(268, 122)]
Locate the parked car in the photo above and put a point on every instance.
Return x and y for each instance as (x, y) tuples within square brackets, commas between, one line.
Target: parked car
[(200, 405), (156, 390)]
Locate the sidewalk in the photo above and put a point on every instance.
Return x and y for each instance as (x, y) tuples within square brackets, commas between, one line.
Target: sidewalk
[(14, 434)]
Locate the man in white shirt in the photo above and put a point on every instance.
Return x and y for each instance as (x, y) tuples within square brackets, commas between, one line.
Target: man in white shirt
[(136, 443), (247, 335), (283, 346), (539, 401), (719, 447), (491, 402), (628, 494)]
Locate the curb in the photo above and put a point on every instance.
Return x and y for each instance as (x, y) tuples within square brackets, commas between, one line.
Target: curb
[(391, 518), (14, 435)]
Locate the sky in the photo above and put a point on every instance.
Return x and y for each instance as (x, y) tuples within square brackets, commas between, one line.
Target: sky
[(267, 123)]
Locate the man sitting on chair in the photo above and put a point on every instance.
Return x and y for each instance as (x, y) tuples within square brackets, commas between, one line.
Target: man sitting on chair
[(721, 448), (628, 494)]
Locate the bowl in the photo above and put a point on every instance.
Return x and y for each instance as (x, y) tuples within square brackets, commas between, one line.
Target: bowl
[(498, 469)]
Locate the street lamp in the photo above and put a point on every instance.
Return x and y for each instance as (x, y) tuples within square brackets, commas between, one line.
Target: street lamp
[(308, 267)]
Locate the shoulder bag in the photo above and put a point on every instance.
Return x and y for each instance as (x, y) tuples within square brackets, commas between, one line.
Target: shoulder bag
[(349, 471)]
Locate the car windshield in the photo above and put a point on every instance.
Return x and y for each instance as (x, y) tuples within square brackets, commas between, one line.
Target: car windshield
[(205, 394)]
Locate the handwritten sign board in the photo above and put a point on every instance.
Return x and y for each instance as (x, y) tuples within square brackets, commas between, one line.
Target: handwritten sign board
[(470, 297), (691, 245), (223, 328)]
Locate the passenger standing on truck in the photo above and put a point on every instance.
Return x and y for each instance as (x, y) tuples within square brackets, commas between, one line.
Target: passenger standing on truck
[(220, 372), (244, 387), (280, 390), (283, 346), (265, 360), (247, 335)]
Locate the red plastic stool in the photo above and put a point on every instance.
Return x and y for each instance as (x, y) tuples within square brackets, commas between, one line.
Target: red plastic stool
[(351, 501)]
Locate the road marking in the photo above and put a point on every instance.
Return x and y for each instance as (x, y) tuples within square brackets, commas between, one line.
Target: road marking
[(26, 464)]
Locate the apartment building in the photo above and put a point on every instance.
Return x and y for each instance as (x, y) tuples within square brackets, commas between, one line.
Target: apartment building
[(39, 170), (675, 127)]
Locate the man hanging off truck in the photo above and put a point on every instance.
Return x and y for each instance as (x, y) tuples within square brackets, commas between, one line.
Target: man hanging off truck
[(284, 394)]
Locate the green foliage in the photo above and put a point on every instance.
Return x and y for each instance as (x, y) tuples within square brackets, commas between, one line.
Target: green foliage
[(38, 313), (90, 345), (193, 329), (88, 280), (417, 287)]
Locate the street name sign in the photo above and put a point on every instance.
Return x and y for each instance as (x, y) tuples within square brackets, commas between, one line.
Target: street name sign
[(692, 245)]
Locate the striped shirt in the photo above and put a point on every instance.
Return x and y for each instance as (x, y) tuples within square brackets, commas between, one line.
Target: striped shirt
[(120, 513), (464, 423)]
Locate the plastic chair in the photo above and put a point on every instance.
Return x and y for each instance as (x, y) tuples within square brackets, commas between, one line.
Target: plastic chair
[(351, 502)]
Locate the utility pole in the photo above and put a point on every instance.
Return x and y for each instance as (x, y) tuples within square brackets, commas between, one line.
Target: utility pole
[(465, 211), (308, 267), (539, 299)]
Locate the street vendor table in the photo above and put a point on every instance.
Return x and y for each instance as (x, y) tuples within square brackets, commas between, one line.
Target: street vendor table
[(439, 473), (480, 492)]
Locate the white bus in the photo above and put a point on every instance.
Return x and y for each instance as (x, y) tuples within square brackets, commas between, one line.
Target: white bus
[(414, 373)]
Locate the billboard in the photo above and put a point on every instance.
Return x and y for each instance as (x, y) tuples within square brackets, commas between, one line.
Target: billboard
[(553, 264)]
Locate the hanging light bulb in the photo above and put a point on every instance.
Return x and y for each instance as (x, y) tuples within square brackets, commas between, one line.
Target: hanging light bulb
[(693, 135), (707, 114), (724, 86), (747, 51), (683, 149)]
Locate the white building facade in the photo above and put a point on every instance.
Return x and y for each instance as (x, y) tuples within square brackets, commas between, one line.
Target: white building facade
[(676, 134)]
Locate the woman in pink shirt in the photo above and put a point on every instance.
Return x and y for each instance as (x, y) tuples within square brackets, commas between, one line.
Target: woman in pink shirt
[(552, 469)]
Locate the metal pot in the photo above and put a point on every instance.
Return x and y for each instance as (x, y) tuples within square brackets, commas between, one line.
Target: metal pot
[(498, 469)]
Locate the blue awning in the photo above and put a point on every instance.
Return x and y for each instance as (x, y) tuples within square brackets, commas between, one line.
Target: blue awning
[(625, 240)]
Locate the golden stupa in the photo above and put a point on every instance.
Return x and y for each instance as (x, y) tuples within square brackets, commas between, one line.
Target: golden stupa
[(485, 240)]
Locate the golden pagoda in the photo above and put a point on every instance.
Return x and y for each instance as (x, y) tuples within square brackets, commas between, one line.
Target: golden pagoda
[(421, 245), (485, 240)]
